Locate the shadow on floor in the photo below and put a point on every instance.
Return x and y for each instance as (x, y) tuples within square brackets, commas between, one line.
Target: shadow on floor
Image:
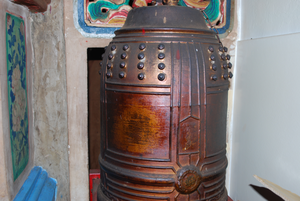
[(266, 193)]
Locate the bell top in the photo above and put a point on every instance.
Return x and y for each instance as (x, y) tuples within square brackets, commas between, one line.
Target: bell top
[(165, 18)]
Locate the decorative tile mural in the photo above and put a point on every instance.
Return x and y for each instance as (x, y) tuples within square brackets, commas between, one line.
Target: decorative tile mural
[(17, 92), (218, 11), (107, 13), (113, 13)]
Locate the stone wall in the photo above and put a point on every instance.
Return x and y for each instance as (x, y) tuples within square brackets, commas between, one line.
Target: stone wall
[(77, 79), (50, 95)]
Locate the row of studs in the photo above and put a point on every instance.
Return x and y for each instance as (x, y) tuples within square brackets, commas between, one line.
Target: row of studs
[(225, 65), (140, 65), (113, 48)]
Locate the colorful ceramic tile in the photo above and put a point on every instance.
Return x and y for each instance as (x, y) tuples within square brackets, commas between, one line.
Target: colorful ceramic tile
[(107, 13), (217, 11), (17, 92), (113, 13)]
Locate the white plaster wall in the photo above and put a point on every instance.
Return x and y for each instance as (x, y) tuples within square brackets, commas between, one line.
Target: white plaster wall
[(268, 18), (230, 42), (76, 64), (266, 112), (8, 187)]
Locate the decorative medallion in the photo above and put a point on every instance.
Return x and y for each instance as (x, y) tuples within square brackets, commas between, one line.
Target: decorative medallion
[(188, 179)]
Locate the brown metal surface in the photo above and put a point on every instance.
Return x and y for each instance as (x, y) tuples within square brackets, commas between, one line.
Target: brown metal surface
[(164, 102), (34, 5), (94, 113)]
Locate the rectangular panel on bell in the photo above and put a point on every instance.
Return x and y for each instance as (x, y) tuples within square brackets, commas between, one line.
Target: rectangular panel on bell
[(216, 123), (189, 135), (138, 125)]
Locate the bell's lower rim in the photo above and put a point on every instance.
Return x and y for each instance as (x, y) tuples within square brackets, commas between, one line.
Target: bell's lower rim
[(102, 197)]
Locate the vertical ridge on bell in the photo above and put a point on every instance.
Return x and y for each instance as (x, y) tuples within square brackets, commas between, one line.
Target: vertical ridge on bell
[(185, 83), (198, 50), (202, 89), (173, 107), (184, 137), (196, 157), (195, 82), (176, 91)]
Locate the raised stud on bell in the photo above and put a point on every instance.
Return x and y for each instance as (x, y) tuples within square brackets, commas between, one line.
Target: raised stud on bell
[(141, 76), (228, 57), (229, 65), (221, 49), (161, 76), (161, 55), (225, 49), (212, 57), (161, 46), (224, 65), (161, 66), (100, 64), (122, 74), (230, 75), (223, 57), (225, 76), (123, 56), (142, 46), (122, 64), (211, 48), (214, 78), (113, 47), (140, 65), (108, 65), (110, 56), (141, 56), (108, 74), (214, 67), (125, 47)]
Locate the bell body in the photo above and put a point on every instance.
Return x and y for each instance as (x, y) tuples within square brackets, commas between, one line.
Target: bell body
[(164, 103)]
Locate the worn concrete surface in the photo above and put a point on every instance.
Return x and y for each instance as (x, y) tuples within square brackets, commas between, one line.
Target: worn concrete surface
[(8, 187), (76, 53), (50, 95)]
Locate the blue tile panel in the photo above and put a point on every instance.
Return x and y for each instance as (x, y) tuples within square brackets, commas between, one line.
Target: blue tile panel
[(38, 187)]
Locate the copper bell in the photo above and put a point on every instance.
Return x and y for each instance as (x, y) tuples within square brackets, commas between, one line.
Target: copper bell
[(164, 95)]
